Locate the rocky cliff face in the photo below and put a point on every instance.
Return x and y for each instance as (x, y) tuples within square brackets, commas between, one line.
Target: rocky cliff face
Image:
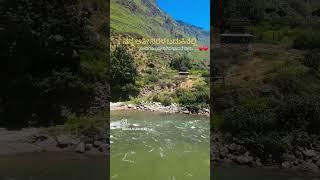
[(201, 34)]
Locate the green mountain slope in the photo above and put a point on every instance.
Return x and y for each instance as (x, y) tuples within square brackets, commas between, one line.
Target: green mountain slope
[(145, 18)]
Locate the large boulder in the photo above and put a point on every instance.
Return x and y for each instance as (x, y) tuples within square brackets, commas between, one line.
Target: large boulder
[(235, 149), (97, 144), (245, 159), (309, 166), (286, 165), (80, 148), (309, 153), (104, 148), (65, 140)]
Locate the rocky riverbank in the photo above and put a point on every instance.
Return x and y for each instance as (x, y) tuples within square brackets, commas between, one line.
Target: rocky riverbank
[(29, 140), (235, 152), (157, 107)]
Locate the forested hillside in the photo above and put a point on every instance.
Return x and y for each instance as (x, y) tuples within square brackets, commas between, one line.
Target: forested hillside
[(270, 102), (53, 60)]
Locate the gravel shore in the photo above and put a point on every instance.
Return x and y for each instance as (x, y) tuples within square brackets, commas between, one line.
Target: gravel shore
[(156, 107)]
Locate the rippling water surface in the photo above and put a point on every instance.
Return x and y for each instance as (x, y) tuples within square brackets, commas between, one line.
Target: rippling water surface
[(144, 146), (155, 146)]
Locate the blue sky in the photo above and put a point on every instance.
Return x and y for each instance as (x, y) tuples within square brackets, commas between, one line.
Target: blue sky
[(195, 12)]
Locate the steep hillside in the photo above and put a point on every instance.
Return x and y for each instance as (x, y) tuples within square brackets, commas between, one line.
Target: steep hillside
[(201, 34), (264, 10), (144, 17), (269, 99)]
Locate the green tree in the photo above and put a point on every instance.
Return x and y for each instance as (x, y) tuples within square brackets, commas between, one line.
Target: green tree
[(123, 74), (40, 47)]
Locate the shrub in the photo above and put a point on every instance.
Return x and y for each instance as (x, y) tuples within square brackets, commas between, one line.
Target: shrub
[(271, 144), (186, 97), (202, 93), (152, 78), (129, 90), (94, 64), (290, 78), (250, 116), (275, 145), (300, 113), (194, 99), (89, 128), (312, 60), (302, 139), (205, 74), (163, 98), (166, 101), (136, 101), (307, 40), (181, 63)]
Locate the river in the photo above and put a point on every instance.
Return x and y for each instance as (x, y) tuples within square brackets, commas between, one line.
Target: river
[(173, 147), (144, 146), (159, 146)]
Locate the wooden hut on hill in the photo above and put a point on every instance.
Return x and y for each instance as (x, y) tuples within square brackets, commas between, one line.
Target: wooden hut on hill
[(235, 35), (183, 72)]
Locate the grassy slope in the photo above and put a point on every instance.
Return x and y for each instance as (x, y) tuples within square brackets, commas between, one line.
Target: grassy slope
[(123, 21), (142, 21)]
